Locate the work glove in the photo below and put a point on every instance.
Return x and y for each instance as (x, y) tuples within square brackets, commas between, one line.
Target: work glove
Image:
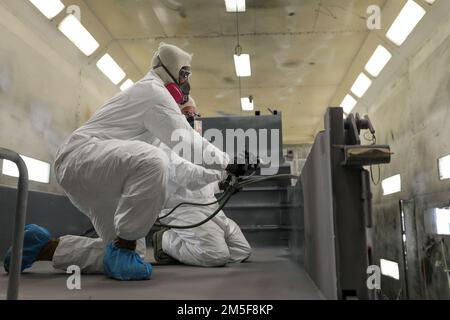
[(224, 184), (238, 169)]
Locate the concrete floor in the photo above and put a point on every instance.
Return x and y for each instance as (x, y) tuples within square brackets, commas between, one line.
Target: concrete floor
[(270, 275)]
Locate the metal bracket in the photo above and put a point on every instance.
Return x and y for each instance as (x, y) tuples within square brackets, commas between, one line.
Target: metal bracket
[(354, 124)]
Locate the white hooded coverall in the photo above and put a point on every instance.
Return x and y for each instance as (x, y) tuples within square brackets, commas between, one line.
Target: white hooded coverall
[(114, 171), (215, 243)]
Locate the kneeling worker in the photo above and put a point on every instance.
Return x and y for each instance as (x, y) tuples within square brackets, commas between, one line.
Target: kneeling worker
[(113, 170), (215, 243)]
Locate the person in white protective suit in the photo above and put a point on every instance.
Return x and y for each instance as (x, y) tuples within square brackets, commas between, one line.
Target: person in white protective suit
[(212, 244), (113, 169)]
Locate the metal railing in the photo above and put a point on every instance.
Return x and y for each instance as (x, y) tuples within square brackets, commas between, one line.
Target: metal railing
[(19, 223)]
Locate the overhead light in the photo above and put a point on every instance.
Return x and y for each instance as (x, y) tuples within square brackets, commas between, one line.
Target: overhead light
[(348, 103), (389, 268), (392, 185), (49, 8), (111, 69), (235, 5), (247, 105), (444, 167), (37, 170), (405, 23), (378, 61), (78, 34), (430, 1), (242, 64), (127, 84), (361, 85)]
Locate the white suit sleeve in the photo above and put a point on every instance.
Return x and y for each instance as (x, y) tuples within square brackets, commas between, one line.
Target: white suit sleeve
[(189, 175), (165, 121)]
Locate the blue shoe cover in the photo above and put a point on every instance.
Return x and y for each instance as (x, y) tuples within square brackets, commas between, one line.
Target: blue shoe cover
[(125, 264), (35, 238)]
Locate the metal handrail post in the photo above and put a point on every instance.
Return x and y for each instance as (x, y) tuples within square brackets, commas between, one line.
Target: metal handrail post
[(19, 223)]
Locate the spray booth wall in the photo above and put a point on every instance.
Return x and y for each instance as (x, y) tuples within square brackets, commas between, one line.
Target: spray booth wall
[(412, 115), (47, 86)]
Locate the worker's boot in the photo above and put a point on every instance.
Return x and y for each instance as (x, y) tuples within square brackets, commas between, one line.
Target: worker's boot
[(160, 256), (121, 262), (36, 239)]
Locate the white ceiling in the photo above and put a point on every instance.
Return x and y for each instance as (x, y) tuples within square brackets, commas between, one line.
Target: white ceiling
[(301, 50)]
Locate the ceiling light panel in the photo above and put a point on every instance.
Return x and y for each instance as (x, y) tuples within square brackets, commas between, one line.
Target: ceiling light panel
[(378, 61), (49, 8), (406, 21), (111, 69), (72, 28), (361, 85)]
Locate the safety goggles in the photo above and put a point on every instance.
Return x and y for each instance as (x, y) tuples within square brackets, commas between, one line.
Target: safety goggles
[(185, 74)]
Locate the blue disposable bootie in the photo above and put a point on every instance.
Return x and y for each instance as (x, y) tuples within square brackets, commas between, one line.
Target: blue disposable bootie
[(125, 264), (35, 238)]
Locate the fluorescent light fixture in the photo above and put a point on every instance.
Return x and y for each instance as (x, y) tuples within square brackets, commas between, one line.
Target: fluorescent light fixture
[(378, 61), (442, 219), (444, 167), (111, 69), (232, 5), (49, 8), (389, 268), (78, 34), (361, 85), (37, 170), (405, 23), (247, 105), (242, 64), (392, 185), (430, 1), (348, 103), (127, 84)]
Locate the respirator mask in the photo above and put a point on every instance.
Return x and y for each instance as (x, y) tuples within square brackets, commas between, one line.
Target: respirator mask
[(180, 92)]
